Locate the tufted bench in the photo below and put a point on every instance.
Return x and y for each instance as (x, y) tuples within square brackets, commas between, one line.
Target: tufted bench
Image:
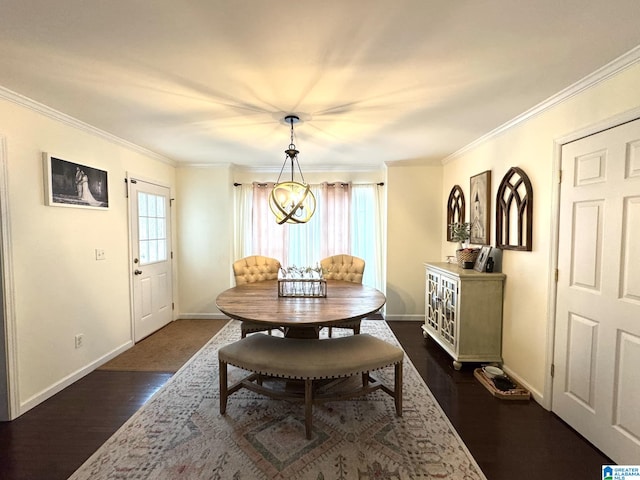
[(310, 360)]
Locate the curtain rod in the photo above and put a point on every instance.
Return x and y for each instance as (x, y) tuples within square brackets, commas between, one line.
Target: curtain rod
[(380, 184)]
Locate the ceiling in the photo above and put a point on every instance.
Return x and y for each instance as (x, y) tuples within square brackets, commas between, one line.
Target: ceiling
[(374, 81)]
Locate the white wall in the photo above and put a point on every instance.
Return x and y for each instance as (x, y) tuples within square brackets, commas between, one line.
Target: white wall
[(530, 146), (60, 288)]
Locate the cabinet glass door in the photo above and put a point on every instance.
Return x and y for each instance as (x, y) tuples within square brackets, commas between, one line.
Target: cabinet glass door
[(432, 301), (448, 304)]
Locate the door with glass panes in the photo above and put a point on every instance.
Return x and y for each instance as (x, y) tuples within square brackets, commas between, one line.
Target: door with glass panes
[(151, 249)]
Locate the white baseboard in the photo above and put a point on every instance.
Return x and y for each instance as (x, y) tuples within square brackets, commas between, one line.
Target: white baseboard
[(205, 316), (537, 396), (404, 317), (57, 387)]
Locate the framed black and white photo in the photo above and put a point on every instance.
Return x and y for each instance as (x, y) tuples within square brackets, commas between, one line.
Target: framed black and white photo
[(70, 184), (480, 215), (482, 258)]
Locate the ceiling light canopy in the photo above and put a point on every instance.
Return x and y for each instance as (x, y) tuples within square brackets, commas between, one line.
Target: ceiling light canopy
[(291, 201)]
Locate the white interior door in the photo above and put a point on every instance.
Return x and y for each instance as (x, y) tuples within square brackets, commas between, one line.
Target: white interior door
[(151, 248), (596, 385)]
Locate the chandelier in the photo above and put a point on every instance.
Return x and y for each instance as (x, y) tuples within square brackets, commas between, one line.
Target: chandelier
[(291, 201)]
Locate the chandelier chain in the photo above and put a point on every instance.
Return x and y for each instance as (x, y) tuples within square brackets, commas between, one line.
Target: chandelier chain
[(291, 145)]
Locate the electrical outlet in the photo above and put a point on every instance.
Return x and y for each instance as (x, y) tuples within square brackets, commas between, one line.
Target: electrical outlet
[(100, 254), (79, 340)]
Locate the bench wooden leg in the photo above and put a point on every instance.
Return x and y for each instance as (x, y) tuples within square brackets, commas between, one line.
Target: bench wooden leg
[(223, 386), (398, 388), (308, 406)]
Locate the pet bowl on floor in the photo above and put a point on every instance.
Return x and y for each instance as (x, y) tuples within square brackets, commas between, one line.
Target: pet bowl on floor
[(492, 372)]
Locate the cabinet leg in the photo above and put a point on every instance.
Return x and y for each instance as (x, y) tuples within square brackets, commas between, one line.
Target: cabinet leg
[(425, 334), (457, 365)]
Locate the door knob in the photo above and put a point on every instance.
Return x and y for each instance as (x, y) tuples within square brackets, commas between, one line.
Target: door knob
[(137, 272)]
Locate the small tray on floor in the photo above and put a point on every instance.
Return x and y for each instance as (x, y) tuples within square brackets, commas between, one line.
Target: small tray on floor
[(518, 393)]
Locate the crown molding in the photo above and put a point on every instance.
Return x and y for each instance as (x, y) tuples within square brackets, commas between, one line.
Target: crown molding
[(311, 169), (68, 120), (614, 67), (204, 165), (417, 162)]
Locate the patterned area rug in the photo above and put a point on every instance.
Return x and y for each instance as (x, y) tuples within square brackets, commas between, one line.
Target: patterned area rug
[(179, 433)]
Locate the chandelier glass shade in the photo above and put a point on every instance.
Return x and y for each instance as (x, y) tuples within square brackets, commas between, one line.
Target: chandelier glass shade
[(291, 201)]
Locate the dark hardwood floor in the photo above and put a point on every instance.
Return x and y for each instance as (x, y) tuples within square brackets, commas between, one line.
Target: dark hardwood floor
[(508, 439)]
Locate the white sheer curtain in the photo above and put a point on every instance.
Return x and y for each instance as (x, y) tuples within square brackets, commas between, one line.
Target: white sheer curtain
[(367, 239), (268, 238), (305, 239), (243, 236), (348, 219), (334, 212)]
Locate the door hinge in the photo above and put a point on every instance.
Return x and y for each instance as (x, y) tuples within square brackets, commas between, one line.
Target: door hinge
[(173, 306), (553, 370), (171, 255), (560, 176), (556, 274)]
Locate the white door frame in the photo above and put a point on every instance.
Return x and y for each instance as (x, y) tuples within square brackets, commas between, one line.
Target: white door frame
[(9, 404), (606, 124), (132, 176)]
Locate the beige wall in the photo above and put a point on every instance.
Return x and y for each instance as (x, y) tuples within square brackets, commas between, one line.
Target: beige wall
[(60, 289), (205, 235), (530, 146), (414, 231)]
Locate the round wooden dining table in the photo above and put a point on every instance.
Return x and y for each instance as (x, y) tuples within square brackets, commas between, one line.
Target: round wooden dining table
[(301, 317)]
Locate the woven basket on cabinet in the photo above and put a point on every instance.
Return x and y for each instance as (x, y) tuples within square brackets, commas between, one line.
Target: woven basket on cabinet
[(465, 255)]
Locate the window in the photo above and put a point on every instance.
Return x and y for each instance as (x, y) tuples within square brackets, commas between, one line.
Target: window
[(152, 228), (348, 219)]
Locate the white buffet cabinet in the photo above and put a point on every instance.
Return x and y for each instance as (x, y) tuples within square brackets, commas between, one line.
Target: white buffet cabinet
[(463, 312)]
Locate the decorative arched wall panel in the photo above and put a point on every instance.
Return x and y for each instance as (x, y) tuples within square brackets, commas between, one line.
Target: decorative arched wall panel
[(455, 209), (514, 211)]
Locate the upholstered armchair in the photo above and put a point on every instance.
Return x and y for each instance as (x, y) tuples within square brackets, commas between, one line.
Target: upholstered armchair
[(343, 267), (349, 269), (255, 268)]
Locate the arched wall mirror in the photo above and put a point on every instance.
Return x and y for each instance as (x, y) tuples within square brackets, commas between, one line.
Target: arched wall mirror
[(514, 211)]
